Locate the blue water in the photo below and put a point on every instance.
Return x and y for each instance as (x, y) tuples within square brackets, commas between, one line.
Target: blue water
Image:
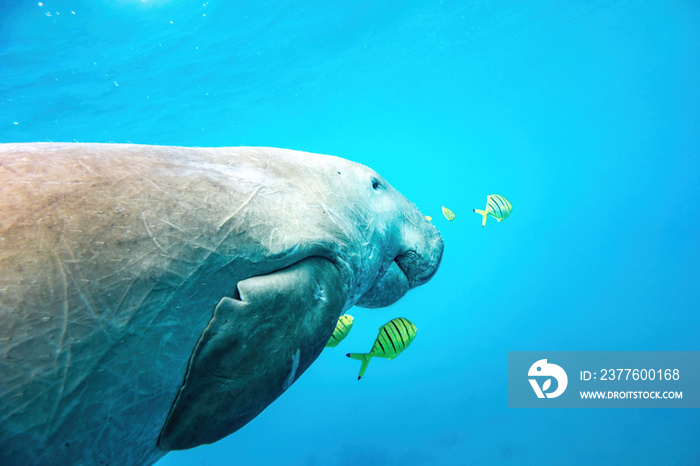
[(585, 115)]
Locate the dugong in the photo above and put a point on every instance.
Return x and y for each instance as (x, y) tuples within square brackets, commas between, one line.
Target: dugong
[(158, 298)]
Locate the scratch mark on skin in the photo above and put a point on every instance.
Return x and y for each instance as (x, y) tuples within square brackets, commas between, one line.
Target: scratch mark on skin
[(22, 407), (130, 284), (9, 169), (153, 237), (292, 373), (174, 226), (84, 299), (148, 180), (64, 330), (125, 265), (84, 166), (245, 203), (185, 206), (408, 220), (64, 275)]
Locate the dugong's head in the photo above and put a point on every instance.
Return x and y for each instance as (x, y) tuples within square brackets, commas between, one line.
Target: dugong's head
[(385, 245), (403, 249)]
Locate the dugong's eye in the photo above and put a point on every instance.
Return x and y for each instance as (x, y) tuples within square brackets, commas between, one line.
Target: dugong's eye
[(376, 184)]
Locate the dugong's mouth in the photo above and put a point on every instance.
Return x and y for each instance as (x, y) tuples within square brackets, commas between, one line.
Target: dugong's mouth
[(408, 270), (414, 267)]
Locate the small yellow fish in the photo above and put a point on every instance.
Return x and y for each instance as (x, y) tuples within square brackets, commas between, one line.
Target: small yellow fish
[(342, 328), (497, 206), (449, 215), (429, 218), (394, 337)]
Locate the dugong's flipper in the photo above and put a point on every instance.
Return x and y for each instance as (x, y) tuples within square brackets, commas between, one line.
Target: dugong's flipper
[(255, 346)]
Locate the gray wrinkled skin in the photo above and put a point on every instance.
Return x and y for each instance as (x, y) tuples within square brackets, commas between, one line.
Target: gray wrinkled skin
[(114, 259)]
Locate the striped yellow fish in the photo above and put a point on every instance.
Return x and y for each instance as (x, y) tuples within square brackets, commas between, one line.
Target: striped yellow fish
[(497, 206), (394, 337), (342, 328), (449, 215)]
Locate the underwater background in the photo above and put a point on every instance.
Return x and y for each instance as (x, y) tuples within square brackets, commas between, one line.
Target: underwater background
[(584, 114)]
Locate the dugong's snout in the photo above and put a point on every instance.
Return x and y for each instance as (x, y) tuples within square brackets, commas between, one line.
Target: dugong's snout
[(421, 263), (418, 259)]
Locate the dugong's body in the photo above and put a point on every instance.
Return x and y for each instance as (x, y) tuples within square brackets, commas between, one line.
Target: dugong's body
[(157, 298)]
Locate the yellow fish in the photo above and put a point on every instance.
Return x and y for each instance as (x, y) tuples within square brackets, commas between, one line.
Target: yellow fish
[(497, 206), (394, 337), (429, 218), (449, 215), (342, 328)]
